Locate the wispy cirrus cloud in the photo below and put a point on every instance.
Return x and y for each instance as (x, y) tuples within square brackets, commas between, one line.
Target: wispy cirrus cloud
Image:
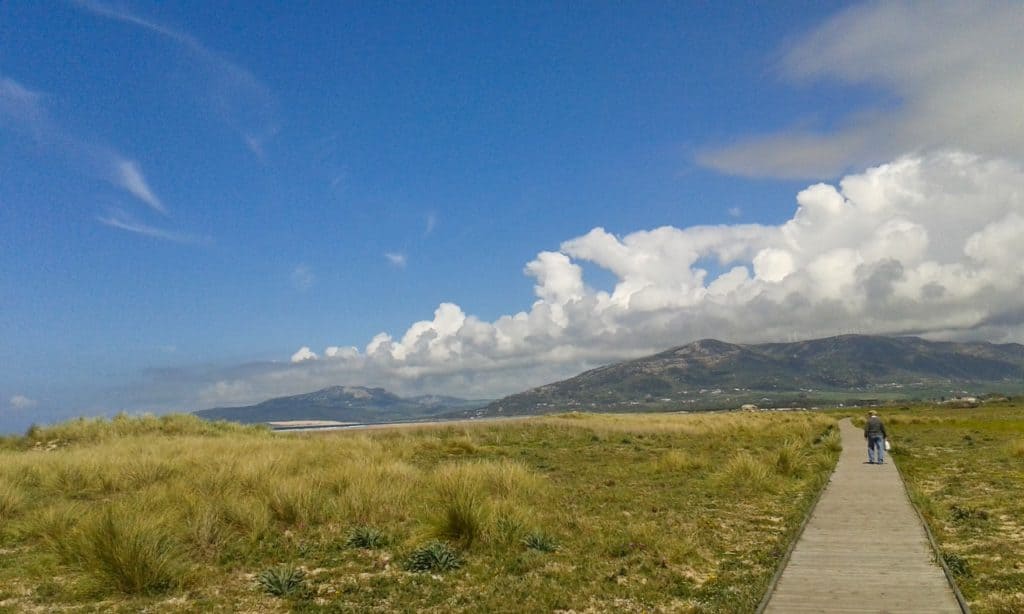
[(241, 100), (397, 259), (954, 69), (121, 221), (303, 277), (22, 108), (129, 177), (23, 112)]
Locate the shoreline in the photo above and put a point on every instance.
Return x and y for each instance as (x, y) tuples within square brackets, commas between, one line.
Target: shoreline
[(357, 426)]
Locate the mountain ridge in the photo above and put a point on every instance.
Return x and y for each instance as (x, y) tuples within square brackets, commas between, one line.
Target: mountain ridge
[(709, 373), (351, 404), (704, 374)]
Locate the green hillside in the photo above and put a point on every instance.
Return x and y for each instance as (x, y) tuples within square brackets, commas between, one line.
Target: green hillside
[(710, 374)]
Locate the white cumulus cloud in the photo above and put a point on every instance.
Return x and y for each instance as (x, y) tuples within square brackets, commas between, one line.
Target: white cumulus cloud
[(303, 354), (925, 244)]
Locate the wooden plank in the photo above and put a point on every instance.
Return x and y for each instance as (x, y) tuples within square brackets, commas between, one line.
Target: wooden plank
[(864, 549)]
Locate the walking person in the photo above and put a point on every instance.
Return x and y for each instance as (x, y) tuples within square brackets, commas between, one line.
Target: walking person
[(874, 432)]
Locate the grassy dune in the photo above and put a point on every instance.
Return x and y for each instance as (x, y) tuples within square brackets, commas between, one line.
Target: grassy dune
[(577, 512), (965, 472)]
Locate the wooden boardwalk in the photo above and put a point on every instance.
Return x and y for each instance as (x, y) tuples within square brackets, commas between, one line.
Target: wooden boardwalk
[(863, 549)]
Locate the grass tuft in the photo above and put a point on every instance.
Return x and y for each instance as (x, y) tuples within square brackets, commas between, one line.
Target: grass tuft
[(744, 471), (1016, 448), (790, 459), (463, 511), (832, 440), (677, 460), (131, 553)]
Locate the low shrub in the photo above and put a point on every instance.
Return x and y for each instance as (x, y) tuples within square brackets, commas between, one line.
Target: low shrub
[(282, 580), (433, 556), (366, 537)]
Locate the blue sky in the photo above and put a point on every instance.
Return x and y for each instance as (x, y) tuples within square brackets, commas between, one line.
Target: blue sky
[(191, 193)]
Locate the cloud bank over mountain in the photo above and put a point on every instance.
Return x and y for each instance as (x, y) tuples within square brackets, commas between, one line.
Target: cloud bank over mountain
[(926, 244)]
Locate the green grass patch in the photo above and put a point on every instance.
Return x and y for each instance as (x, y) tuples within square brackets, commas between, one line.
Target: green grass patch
[(965, 472)]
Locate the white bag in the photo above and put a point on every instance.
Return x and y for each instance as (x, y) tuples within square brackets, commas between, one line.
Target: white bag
[(887, 446)]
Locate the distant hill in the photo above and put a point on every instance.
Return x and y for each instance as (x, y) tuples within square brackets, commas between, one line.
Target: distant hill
[(709, 374), (343, 404)]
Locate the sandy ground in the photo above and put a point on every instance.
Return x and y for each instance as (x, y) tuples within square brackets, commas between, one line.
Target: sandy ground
[(295, 424), (393, 425)]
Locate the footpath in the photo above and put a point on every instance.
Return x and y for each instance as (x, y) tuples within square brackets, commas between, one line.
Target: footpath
[(864, 548)]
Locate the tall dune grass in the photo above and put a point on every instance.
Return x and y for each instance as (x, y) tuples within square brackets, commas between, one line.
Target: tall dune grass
[(126, 510), (91, 430), (11, 500)]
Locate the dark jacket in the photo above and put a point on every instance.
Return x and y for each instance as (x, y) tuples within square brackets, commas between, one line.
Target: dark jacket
[(874, 427)]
